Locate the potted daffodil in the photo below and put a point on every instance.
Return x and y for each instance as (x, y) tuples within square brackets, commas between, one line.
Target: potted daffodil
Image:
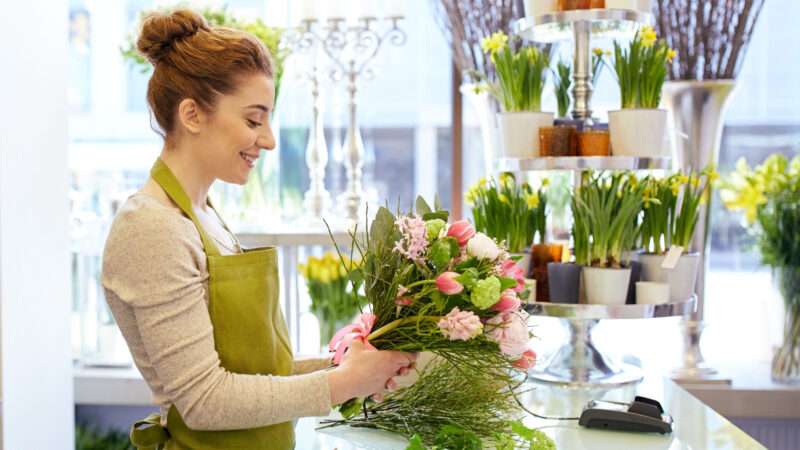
[(521, 75), (638, 129)]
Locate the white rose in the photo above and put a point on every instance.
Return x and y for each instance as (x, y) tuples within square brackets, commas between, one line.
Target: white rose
[(482, 246)]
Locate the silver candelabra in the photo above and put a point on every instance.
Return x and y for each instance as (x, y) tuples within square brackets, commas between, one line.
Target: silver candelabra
[(350, 48)]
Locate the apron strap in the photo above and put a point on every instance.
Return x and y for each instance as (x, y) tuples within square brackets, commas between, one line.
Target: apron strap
[(166, 179), (148, 434)]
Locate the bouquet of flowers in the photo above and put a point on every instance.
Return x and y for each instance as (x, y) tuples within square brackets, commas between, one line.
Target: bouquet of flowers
[(446, 289), (509, 212), (769, 197), (328, 279)]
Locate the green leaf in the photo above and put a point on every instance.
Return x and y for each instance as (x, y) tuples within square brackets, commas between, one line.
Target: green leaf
[(422, 207), (441, 215), (415, 443), (521, 430), (456, 438), (382, 227), (468, 278), (439, 300), (507, 283), (472, 262), (350, 408)]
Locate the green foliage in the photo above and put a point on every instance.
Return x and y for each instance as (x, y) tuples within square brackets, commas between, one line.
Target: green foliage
[(269, 36), (521, 74), (563, 81), (508, 211), (641, 69), (88, 437), (606, 212)]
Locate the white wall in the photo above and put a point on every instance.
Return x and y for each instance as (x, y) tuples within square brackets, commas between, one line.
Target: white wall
[(36, 381)]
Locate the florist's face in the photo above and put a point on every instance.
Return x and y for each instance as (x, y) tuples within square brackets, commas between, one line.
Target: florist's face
[(239, 128)]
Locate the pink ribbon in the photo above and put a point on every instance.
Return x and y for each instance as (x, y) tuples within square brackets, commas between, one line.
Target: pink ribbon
[(358, 330)]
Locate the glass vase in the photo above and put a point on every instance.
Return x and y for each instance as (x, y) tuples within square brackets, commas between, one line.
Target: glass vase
[(786, 361)]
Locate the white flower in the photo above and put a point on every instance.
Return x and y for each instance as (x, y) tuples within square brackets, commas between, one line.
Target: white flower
[(482, 246)]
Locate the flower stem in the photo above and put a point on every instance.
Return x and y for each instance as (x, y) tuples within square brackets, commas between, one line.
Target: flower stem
[(396, 323)]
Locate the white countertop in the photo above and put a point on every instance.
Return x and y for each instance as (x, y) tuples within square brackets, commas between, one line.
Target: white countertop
[(695, 427)]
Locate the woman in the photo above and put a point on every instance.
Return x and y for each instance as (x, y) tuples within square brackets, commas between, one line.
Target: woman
[(200, 316)]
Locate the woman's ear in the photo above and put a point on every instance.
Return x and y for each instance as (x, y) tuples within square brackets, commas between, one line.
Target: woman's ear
[(190, 115)]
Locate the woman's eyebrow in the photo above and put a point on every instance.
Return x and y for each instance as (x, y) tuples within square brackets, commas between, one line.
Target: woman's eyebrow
[(258, 106)]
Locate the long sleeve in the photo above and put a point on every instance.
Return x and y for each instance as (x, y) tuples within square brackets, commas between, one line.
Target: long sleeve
[(309, 364), (155, 276)]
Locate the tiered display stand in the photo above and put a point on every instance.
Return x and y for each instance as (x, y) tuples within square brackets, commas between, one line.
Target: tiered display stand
[(578, 362)]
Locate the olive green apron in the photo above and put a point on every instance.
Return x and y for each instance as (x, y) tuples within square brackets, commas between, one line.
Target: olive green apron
[(250, 336)]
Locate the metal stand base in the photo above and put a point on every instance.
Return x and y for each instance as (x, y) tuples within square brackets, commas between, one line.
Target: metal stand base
[(579, 364), (694, 369)]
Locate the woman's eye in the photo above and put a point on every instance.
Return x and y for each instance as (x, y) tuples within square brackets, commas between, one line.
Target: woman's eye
[(253, 123)]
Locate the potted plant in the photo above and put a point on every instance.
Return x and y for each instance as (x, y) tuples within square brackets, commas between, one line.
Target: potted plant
[(769, 196), (564, 277), (520, 81), (671, 211), (608, 208), (333, 282), (638, 129), (509, 212), (561, 139)]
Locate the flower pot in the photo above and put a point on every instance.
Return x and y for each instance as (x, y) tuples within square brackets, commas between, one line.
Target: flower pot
[(539, 7), (519, 132), (564, 280), (594, 143), (606, 286), (652, 293), (622, 4), (546, 140), (541, 255), (636, 276), (566, 5), (638, 132), (681, 279), (556, 141)]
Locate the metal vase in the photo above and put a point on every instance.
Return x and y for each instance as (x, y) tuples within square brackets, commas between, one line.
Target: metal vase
[(696, 115)]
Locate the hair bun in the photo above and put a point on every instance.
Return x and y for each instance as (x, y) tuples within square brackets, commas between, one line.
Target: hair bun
[(160, 31)]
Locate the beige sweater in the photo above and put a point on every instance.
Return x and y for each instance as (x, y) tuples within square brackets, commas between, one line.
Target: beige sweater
[(156, 283)]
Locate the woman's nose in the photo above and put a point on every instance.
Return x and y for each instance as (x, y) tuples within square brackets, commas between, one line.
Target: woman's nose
[(266, 139)]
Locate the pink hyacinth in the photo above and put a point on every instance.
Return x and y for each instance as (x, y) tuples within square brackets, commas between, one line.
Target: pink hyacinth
[(413, 242), (447, 284), (509, 302), (510, 269), (460, 325), (462, 231), (526, 361), (510, 331)]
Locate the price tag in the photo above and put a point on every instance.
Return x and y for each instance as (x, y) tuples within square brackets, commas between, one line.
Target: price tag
[(671, 260)]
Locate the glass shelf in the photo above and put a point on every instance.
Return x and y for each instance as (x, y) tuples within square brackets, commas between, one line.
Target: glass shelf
[(579, 163), (557, 26)]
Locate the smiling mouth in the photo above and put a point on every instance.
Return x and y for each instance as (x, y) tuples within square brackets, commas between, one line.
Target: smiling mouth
[(249, 159)]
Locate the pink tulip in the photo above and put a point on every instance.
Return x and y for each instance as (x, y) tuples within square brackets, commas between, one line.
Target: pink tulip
[(527, 360), (447, 284), (508, 302), (510, 269), (462, 231)]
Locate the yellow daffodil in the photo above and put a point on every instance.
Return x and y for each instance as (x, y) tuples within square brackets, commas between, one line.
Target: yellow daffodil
[(532, 200), (597, 51), (545, 182), (494, 43), (648, 36), (671, 54), (503, 199), (694, 181)]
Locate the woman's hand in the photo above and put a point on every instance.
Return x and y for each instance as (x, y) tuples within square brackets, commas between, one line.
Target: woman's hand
[(365, 372)]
